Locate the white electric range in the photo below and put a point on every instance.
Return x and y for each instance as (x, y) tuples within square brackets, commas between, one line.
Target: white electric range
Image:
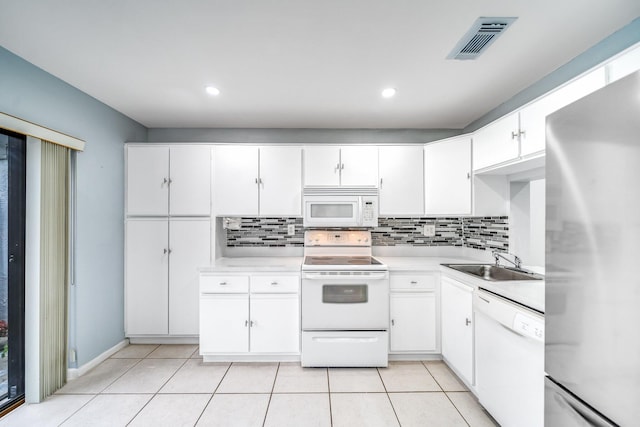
[(345, 301)]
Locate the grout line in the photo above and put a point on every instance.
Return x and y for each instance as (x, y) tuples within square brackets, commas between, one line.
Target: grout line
[(74, 412), (388, 397), (329, 393), (458, 410), (271, 394), (213, 394), (433, 376)]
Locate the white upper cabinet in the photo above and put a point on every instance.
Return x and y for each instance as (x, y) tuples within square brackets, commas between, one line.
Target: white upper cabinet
[(401, 180), (168, 180), (147, 180), (624, 65), (235, 180), (281, 181), (190, 167), (522, 134), (359, 165), (533, 117), (348, 165), (258, 181), (448, 177), (322, 165), (497, 142)]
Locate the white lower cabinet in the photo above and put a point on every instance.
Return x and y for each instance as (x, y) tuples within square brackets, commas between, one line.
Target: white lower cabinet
[(457, 327), (161, 275), (249, 314), (413, 313)]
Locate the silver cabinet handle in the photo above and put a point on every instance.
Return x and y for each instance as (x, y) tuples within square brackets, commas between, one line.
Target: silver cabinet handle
[(468, 175), (523, 133), (337, 167), (252, 324), (514, 134), (164, 251), (413, 282), (274, 283), (467, 322), (342, 167), (381, 182), (246, 323), (393, 322), (260, 181), (164, 180), (223, 283), (169, 181), (256, 180)]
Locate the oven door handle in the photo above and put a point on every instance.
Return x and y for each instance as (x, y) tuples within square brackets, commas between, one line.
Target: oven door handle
[(341, 277)]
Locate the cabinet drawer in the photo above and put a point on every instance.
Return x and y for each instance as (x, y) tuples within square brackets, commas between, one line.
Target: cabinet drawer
[(224, 284), (413, 281), (275, 284)]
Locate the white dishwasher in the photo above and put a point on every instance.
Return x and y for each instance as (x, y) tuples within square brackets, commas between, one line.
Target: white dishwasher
[(509, 340)]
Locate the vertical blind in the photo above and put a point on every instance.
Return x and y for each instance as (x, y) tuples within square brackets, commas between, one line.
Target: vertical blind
[(54, 266)]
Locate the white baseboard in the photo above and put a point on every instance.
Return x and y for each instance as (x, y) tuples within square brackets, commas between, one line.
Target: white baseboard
[(74, 373), (415, 356), (164, 340)]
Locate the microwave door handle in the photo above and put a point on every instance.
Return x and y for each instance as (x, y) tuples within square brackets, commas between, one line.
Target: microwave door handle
[(360, 216)]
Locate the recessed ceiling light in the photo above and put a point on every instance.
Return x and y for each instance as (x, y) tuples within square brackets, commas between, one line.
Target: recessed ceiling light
[(389, 92), (211, 90)]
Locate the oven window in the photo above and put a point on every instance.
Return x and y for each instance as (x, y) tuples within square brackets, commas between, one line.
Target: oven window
[(332, 210), (344, 294)]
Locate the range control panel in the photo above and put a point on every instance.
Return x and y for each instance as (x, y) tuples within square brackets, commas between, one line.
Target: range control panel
[(337, 238)]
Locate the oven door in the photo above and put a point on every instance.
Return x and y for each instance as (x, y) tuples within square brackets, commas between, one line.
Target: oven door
[(345, 300), (332, 211)]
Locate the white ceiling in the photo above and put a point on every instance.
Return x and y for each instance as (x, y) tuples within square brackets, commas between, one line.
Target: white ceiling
[(301, 63)]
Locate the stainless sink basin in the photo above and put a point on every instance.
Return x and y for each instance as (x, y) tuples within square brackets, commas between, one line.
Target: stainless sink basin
[(493, 273)]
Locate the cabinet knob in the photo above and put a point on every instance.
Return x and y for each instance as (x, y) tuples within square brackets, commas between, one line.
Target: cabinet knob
[(467, 321)]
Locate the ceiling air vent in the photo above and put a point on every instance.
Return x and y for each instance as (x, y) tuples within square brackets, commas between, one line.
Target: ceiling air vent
[(482, 33)]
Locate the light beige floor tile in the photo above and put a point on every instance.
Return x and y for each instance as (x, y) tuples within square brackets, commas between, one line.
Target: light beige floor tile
[(98, 378), (52, 412), (362, 409), (295, 410), (196, 354), (432, 409), (292, 378), (195, 376), (444, 376), (173, 351), (109, 410), (249, 378), (146, 377), (471, 409), (347, 380), (172, 410), (135, 351), (407, 376), (235, 410)]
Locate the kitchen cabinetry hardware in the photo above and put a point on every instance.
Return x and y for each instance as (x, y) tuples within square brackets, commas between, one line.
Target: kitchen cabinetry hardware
[(393, 322), (223, 283), (467, 322), (514, 134), (252, 323), (274, 283), (413, 282), (164, 251), (468, 175), (246, 323)]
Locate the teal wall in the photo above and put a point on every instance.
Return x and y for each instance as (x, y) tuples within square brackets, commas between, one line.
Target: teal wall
[(27, 92)]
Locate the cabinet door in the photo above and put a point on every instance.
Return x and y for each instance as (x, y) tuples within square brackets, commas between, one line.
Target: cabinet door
[(496, 143), (401, 180), (147, 180), (448, 177), (190, 245), (235, 180), (146, 277), (322, 165), (275, 323), (190, 180), (413, 322), (224, 323), (533, 117), (457, 330), (281, 181), (359, 166)]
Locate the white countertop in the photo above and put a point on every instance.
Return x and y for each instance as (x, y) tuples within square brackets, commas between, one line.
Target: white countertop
[(241, 264), (526, 292), (422, 263)]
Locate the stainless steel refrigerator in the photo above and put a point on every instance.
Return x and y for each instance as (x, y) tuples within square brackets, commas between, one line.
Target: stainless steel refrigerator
[(592, 348)]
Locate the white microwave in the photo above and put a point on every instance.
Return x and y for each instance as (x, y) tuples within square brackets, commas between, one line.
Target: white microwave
[(340, 207)]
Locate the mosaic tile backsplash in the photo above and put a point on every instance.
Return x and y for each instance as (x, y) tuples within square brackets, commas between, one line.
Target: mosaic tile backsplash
[(475, 232)]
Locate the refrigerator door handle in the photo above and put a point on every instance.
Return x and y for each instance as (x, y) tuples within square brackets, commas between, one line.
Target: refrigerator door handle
[(570, 404)]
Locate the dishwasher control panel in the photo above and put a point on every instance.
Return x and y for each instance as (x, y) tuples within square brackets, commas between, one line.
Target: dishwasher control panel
[(528, 326)]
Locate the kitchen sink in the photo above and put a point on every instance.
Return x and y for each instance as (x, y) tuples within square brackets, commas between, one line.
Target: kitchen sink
[(494, 273)]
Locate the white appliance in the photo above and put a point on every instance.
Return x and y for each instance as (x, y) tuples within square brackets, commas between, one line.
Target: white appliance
[(326, 207), (345, 301), (509, 360)]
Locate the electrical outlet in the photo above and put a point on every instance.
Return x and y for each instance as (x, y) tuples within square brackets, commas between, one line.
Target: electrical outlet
[(291, 229), (429, 230)]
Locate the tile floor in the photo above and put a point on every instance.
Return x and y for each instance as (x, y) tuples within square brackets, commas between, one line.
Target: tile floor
[(169, 385)]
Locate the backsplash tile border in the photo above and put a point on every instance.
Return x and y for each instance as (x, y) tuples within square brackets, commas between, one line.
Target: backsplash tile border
[(484, 232)]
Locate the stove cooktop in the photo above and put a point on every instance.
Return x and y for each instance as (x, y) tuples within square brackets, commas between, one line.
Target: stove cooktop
[(341, 260)]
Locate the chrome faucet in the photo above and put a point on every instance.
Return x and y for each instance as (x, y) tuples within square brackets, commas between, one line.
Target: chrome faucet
[(517, 262)]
